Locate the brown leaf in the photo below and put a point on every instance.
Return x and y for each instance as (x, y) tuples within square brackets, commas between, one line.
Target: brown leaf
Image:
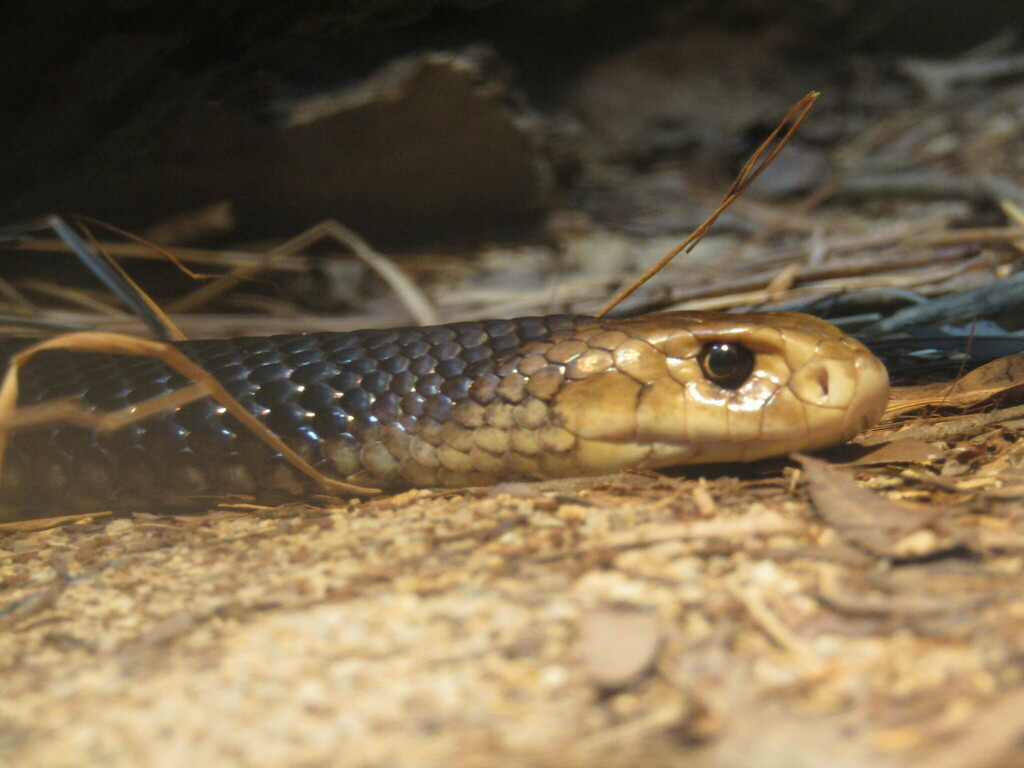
[(871, 522), (1003, 377), (1000, 381), (904, 451)]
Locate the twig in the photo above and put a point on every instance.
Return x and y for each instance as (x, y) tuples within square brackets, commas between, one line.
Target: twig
[(937, 78), (77, 297), (163, 253), (807, 275), (106, 271), (990, 188), (414, 300), (223, 325), (774, 627), (823, 287), (954, 428), (956, 307), (217, 258)]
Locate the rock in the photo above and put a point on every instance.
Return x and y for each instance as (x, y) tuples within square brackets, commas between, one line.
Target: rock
[(673, 93), (618, 646), (430, 145)]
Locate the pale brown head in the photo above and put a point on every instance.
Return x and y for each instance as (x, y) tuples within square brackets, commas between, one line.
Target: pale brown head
[(695, 387)]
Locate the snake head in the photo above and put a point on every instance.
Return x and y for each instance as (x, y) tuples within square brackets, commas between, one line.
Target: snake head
[(690, 387)]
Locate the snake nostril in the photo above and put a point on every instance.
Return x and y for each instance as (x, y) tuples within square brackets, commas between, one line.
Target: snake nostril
[(823, 381)]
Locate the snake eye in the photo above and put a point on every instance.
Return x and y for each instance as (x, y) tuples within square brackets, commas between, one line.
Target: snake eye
[(725, 364)]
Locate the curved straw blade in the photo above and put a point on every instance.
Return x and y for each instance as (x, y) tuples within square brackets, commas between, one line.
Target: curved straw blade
[(747, 175), (405, 289)]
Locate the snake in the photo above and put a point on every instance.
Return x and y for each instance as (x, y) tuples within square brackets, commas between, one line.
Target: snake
[(448, 406)]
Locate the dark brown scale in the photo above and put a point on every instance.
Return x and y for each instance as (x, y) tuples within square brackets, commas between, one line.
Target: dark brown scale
[(345, 387), (456, 386), (439, 407)]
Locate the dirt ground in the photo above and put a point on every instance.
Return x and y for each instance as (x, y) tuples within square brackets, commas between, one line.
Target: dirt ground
[(860, 608)]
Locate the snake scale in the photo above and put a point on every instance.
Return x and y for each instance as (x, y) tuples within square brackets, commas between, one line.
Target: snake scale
[(451, 405)]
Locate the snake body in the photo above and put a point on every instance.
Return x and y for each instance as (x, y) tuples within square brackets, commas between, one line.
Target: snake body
[(450, 405)]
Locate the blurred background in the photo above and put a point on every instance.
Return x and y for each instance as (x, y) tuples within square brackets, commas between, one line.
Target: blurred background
[(512, 157)]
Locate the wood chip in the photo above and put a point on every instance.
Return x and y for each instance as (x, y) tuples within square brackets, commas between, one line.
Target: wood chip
[(618, 647)]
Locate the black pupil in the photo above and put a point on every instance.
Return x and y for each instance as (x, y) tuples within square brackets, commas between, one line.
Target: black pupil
[(727, 365)]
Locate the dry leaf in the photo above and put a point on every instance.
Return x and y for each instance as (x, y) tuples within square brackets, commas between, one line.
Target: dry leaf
[(904, 451), (1003, 377), (871, 522), (1000, 381)]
